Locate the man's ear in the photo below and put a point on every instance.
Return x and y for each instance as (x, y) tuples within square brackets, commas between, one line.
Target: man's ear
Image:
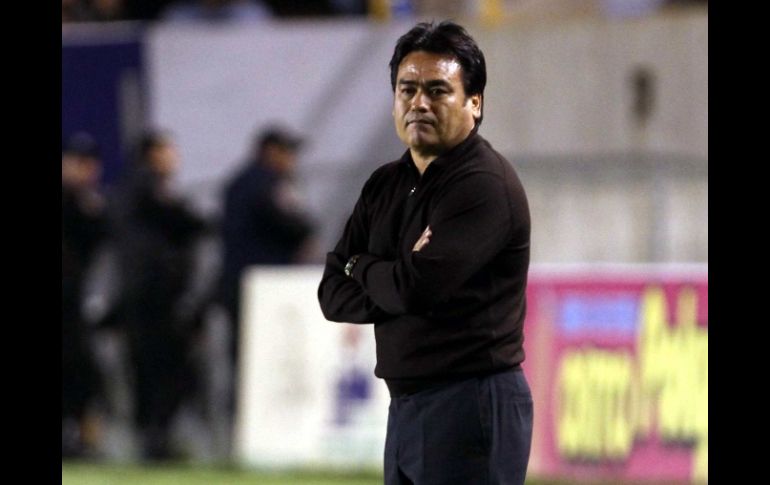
[(476, 102)]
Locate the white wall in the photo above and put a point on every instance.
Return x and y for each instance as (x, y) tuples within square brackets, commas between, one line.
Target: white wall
[(561, 87)]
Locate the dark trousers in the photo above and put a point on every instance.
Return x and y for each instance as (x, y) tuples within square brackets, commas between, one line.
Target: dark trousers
[(473, 432)]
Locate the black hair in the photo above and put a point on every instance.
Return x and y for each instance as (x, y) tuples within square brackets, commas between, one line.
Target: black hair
[(446, 37), (277, 135), (82, 144)]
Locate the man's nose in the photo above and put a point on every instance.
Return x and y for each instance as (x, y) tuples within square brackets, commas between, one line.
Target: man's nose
[(420, 101)]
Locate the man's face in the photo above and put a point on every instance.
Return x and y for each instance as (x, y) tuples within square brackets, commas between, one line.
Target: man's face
[(280, 158), (430, 109), (164, 158), (80, 171)]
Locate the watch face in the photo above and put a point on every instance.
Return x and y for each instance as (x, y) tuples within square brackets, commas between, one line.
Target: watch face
[(349, 266)]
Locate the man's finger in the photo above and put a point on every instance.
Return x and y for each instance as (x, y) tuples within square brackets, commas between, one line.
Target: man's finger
[(423, 240)]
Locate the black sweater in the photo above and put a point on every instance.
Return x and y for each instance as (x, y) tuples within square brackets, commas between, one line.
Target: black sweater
[(456, 308)]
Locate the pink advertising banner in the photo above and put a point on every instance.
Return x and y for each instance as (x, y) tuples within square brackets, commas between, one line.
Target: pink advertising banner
[(617, 358)]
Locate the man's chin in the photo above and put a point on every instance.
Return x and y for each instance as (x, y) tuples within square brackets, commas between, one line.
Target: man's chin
[(422, 143)]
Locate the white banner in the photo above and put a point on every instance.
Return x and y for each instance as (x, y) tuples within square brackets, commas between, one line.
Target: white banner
[(307, 392)]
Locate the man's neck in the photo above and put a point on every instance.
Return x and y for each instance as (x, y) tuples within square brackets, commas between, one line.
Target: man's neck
[(422, 161)]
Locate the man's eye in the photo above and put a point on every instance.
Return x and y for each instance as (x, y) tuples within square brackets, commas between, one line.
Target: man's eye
[(437, 92)]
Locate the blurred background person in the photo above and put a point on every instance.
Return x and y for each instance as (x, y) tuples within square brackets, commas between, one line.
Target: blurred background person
[(349, 7), (264, 221), (92, 11), (216, 10), (108, 10), (83, 230), (75, 11), (155, 236)]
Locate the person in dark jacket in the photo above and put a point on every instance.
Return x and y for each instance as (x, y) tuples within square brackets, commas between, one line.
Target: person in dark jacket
[(83, 230), (436, 255), (154, 236), (264, 221)]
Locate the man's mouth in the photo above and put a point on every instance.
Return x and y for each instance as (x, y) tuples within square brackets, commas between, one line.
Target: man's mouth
[(419, 121)]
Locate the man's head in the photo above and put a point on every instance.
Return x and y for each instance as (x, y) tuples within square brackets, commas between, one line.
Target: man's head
[(438, 75), (81, 165), (158, 151), (277, 149)]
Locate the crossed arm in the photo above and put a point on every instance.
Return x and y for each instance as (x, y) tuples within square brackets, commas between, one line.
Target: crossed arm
[(467, 228)]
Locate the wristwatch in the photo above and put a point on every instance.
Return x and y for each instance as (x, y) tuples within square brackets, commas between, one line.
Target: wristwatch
[(349, 267)]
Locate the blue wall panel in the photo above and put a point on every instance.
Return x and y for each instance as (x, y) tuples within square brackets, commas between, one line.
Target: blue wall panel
[(93, 98)]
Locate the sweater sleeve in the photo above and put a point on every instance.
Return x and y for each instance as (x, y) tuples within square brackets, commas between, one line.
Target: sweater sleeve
[(471, 224), (342, 298)]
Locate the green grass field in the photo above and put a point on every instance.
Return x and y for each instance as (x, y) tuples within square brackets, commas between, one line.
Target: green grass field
[(114, 474), (96, 474)]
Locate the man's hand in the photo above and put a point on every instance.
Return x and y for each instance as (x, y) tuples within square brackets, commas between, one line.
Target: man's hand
[(423, 241)]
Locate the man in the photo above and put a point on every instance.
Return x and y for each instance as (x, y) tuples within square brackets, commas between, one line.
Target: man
[(155, 238), (83, 230), (436, 255), (264, 221)]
